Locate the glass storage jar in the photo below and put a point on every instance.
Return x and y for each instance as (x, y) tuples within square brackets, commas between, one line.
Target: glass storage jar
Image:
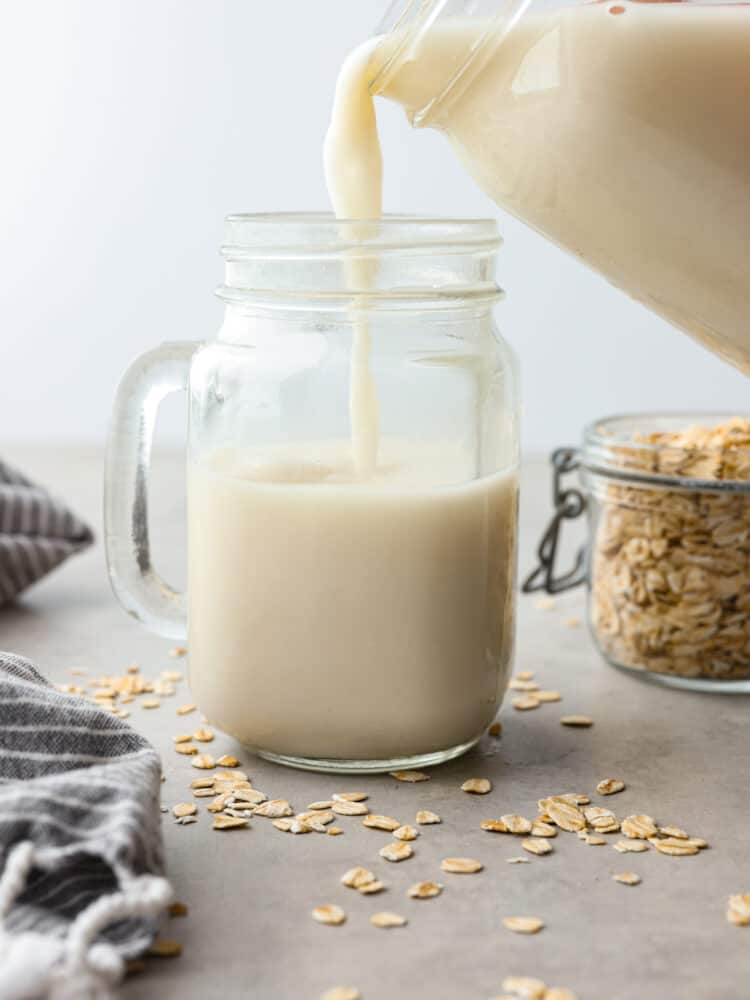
[(668, 555), (337, 619)]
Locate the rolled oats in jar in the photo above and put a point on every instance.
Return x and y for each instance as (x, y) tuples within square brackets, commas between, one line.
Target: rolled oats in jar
[(668, 557)]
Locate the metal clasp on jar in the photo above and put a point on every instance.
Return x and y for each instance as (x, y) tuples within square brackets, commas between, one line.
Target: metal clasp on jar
[(569, 504)]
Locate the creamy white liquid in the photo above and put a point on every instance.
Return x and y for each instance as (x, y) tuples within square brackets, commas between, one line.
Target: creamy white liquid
[(330, 618), (619, 130)]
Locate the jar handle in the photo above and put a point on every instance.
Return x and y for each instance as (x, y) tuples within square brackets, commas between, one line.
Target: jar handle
[(135, 582), (569, 504)]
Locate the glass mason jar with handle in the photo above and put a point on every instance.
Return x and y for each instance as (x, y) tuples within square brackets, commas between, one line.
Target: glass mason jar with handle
[(337, 618), (618, 130)]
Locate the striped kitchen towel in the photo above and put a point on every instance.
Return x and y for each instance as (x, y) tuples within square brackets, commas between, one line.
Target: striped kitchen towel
[(37, 533), (81, 865)]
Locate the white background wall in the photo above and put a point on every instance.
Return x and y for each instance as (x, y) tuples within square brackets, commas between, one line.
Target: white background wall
[(130, 127)]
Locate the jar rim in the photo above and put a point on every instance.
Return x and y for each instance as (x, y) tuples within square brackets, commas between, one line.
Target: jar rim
[(247, 234), (617, 447)]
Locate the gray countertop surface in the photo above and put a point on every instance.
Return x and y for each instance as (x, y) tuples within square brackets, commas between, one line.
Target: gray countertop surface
[(249, 933)]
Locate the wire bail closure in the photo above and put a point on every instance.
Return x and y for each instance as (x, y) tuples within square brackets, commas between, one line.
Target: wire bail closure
[(569, 505)]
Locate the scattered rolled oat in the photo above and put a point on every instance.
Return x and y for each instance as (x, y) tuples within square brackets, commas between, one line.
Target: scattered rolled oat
[(203, 761), (494, 826), (517, 861), (321, 805), (185, 709), (548, 696), (203, 735), (274, 808), (187, 749), (593, 841), (541, 829), (581, 721), (184, 809), (516, 684), (461, 866), (398, 851), (425, 817), (536, 845), (424, 890), (334, 831), (177, 909), (370, 888), (525, 675), (186, 820), (609, 786), (164, 948), (203, 782), (673, 831), (387, 920), (231, 776), (638, 827), (350, 797), (738, 910), (349, 808), (630, 846), (525, 987), (356, 877), (178, 651), (495, 729), (228, 761), (525, 703), (172, 676), (312, 816), (222, 822), (515, 824), (377, 822), (150, 703), (285, 825), (673, 846), (329, 913), (627, 878), (410, 776), (477, 786), (406, 833), (564, 813), (182, 738), (342, 993), (255, 797), (523, 925)]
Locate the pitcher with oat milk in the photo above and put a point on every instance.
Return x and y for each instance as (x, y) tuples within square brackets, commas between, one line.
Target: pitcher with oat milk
[(620, 130), (352, 484)]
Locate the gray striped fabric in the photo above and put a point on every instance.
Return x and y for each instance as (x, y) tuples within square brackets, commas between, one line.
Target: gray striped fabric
[(80, 841), (37, 533)]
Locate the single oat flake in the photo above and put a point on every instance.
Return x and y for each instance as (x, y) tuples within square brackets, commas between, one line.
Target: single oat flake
[(406, 833), (546, 697), (425, 890), (461, 866), (673, 831), (477, 786), (371, 888), (182, 738), (222, 822), (541, 829), (203, 762), (516, 824), (495, 729), (609, 786), (564, 813), (342, 993), (356, 877), (150, 703), (186, 749), (377, 822), (523, 925), (350, 797), (494, 826), (627, 878), (185, 709), (228, 761), (321, 805), (329, 913), (638, 827), (525, 703), (387, 920), (398, 851), (738, 910), (410, 776), (517, 861), (674, 846), (525, 987), (349, 808), (536, 845), (203, 735), (334, 831), (581, 721), (184, 809), (425, 817), (630, 846), (275, 809)]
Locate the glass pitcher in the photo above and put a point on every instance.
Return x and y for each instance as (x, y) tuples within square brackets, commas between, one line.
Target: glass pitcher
[(619, 130), (336, 621)]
